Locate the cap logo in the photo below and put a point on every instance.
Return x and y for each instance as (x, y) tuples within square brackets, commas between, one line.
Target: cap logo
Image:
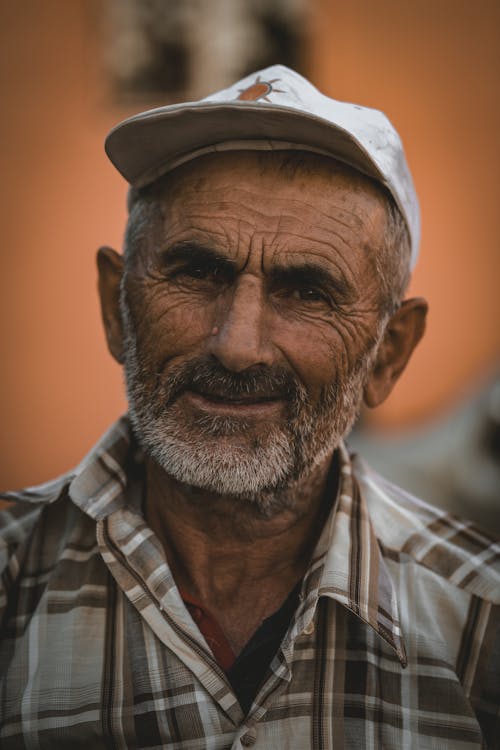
[(258, 90)]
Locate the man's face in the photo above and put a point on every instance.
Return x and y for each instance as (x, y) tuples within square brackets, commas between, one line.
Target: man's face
[(251, 318)]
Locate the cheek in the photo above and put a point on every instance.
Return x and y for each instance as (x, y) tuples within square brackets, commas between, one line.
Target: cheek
[(314, 352), (324, 352), (167, 323)]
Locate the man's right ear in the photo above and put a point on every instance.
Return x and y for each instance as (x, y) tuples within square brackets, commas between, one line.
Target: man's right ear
[(110, 269)]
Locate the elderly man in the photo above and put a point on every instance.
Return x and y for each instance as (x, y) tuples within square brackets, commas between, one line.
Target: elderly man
[(219, 572)]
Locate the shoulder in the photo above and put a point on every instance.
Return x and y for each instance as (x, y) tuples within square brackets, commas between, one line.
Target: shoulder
[(91, 478), (410, 530), (21, 517), (20, 509)]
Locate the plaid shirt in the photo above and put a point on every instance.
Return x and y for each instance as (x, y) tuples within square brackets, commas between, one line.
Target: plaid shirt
[(395, 642)]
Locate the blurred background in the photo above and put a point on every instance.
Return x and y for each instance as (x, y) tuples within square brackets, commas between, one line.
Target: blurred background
[(69, 71)]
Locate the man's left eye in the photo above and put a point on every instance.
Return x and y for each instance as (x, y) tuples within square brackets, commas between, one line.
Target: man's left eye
[(198, 272), (310, 294)]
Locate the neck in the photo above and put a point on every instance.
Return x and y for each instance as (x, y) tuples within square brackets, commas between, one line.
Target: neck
[(218, 547)]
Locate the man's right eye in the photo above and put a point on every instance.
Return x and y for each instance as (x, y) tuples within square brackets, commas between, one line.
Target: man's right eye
[(208, 273)]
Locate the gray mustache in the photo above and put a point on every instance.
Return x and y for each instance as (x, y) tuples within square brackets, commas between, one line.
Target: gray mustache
[(209, 377)]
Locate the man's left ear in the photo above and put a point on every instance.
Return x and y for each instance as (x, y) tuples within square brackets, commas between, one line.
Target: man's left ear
[(402, 333)]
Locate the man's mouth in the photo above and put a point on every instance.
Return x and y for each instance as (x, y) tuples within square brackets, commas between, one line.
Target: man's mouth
[(239, 398), (238, 404)]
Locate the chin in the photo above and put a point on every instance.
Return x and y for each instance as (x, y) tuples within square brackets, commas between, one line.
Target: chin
[(224, 459)]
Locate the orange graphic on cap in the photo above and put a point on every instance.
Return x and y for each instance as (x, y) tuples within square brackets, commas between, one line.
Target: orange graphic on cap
[(258, 90)]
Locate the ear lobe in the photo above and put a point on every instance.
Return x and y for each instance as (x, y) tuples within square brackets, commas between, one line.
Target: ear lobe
[(110, 270), (403, 332)]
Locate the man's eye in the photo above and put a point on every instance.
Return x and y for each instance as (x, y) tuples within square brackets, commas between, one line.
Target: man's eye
[(199, 272), (200, 275), (310, 294), (195, 272)]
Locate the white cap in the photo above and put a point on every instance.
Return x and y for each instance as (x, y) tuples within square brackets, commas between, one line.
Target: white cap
[(273, 109)]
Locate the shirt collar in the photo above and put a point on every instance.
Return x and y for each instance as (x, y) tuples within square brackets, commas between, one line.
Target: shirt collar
[(347, 564), (101, 478)]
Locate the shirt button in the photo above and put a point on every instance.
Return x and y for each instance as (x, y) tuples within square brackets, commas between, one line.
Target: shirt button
[(248, 739), (309, 629)]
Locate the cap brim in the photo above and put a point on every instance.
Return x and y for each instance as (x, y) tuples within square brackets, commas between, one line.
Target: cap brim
[(148, 145)]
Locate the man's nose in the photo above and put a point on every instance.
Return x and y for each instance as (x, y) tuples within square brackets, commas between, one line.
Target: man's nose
[(240, 337)]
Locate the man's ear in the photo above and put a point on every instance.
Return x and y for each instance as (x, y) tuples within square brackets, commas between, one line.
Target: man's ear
[(403, 332), (110, 269)]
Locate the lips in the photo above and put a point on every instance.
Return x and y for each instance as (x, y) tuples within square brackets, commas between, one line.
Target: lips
[(244, 399), (228, 404)]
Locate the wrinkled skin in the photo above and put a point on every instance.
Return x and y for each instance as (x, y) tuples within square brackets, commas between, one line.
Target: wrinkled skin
[(258, 223), (244, 308)]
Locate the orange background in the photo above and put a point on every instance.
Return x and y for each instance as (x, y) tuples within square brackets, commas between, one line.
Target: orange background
[(433, 66)]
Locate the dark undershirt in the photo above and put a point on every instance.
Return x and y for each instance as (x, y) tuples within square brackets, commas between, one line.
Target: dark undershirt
[(247, 671)]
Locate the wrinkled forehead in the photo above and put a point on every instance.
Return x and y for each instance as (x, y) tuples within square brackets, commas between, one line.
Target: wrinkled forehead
[(274, 195)]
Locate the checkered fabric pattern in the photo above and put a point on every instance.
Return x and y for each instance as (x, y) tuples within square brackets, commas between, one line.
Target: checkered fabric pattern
[(395, 642)]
